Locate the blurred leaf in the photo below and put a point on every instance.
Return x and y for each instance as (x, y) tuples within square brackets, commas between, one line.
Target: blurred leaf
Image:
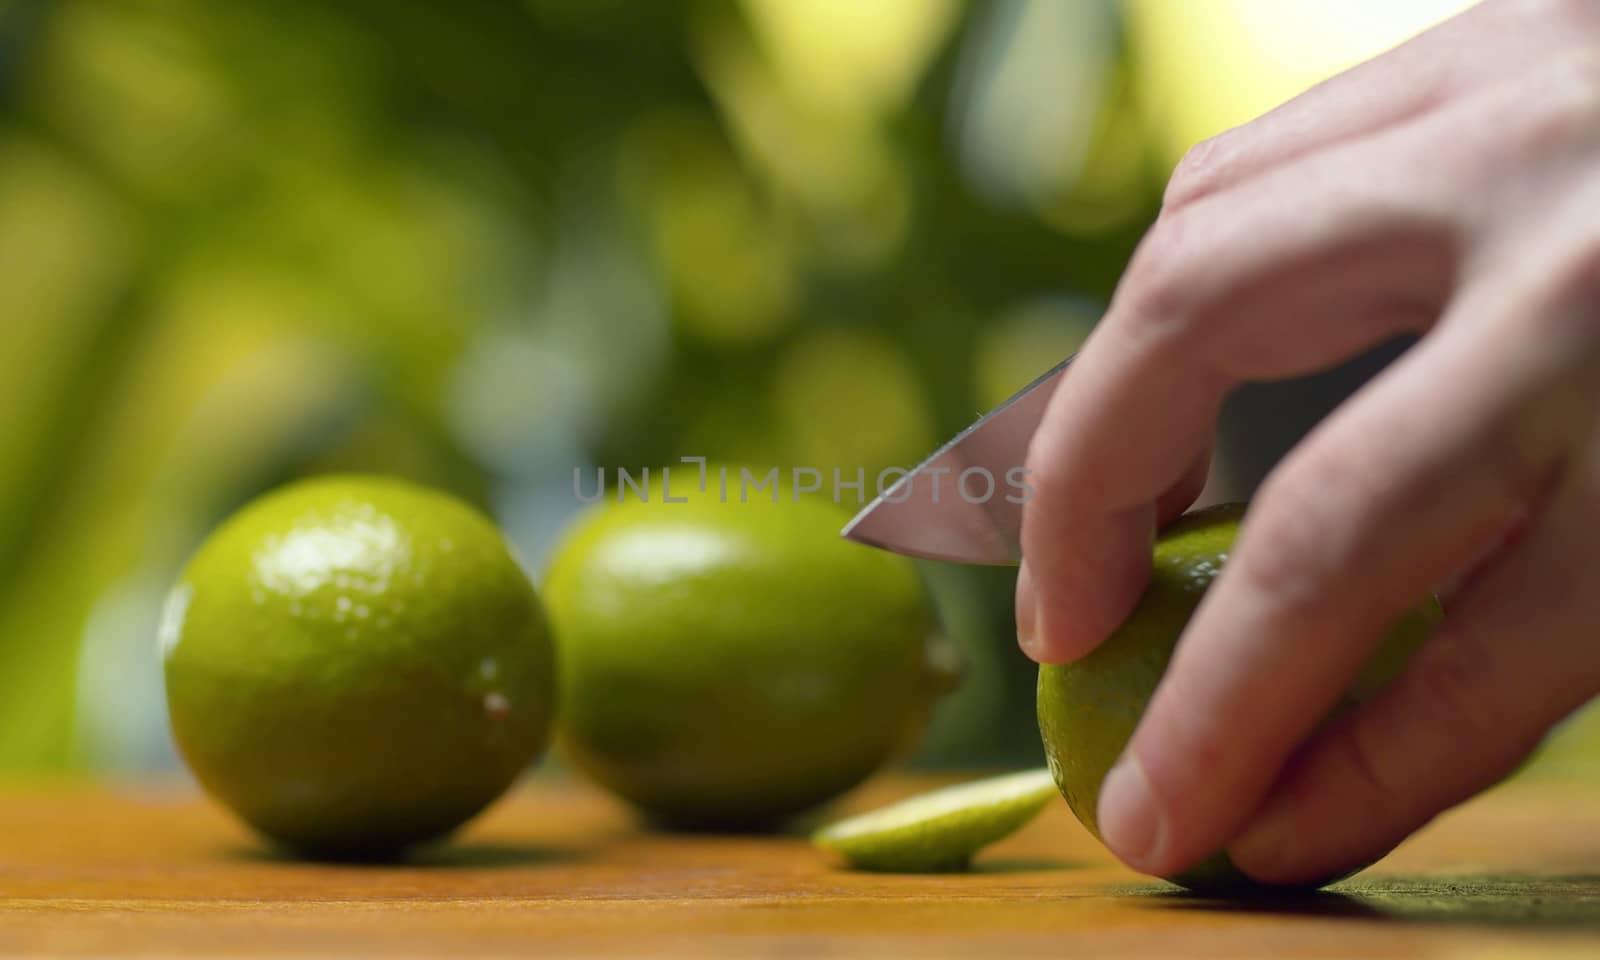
[(1026, 341), (479, 244), (702, 211), (851, 401)]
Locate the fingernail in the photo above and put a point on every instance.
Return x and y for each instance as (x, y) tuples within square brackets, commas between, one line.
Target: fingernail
[(1027, 613), (1028, 616), (1131, 824)]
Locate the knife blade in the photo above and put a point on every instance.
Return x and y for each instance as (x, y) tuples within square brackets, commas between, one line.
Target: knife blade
[(934, 513)]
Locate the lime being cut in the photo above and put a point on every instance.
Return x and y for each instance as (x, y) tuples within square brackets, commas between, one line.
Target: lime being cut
[(1088, 709), (355, 665)]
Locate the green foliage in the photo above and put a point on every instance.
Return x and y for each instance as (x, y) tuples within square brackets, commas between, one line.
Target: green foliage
[(478, 244)]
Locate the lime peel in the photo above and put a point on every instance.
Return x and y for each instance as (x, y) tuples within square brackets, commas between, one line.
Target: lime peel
[(939, 831), (356, 665), (727, 665)]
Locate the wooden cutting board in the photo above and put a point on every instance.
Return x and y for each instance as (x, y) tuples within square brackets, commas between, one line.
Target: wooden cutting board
[(559, 869)]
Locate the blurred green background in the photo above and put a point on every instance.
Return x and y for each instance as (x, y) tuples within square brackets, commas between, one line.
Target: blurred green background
[(483, 243)]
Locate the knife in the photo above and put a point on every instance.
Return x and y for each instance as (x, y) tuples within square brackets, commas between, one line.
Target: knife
[(940, 511)]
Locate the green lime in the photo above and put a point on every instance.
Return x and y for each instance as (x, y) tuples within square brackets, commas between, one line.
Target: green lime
[(731, 664), (356, 664), (1088, 709), (941, 830)]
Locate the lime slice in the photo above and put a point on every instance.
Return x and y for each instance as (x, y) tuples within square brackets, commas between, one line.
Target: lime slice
[(941, 830)]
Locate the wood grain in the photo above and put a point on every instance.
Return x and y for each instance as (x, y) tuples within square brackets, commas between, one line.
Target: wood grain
[(560, 870)]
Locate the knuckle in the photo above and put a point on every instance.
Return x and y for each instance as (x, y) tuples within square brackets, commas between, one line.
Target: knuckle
[(1154, 292), (1050, 479), (1581, 15), (1578, 78), (1293, 539), (1193, 172), (1557, 14), (1046, 472), (1452, 704), (1280, 559), (1385, 794), (1569, 101), (1572, 286)]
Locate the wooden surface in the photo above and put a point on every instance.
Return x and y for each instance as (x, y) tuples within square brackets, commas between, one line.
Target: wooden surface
[(559, 870)]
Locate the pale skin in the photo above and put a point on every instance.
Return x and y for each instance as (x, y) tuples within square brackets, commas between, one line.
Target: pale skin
[(1449, 188)]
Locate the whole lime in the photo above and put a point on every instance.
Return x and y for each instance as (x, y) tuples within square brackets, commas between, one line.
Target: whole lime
[(356, 664), (730, 664), (1088, 709)]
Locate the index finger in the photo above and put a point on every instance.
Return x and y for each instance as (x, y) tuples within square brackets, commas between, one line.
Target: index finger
[(1209, 300)]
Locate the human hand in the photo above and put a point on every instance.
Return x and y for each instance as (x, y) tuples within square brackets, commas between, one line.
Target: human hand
[(1449, 188)]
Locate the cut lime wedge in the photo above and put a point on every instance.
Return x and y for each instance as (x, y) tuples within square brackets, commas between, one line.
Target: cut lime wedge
[(939, 831)]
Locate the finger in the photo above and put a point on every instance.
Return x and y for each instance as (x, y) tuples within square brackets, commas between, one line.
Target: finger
[(1515, 657), (1200, 309), (1399, 489), (1451, 60), (1306, 267), (1517, 653), (1169, 506), (1178, 498)]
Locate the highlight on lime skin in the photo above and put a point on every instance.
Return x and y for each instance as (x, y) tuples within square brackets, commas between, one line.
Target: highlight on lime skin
[(356, 665), (728, 666)]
